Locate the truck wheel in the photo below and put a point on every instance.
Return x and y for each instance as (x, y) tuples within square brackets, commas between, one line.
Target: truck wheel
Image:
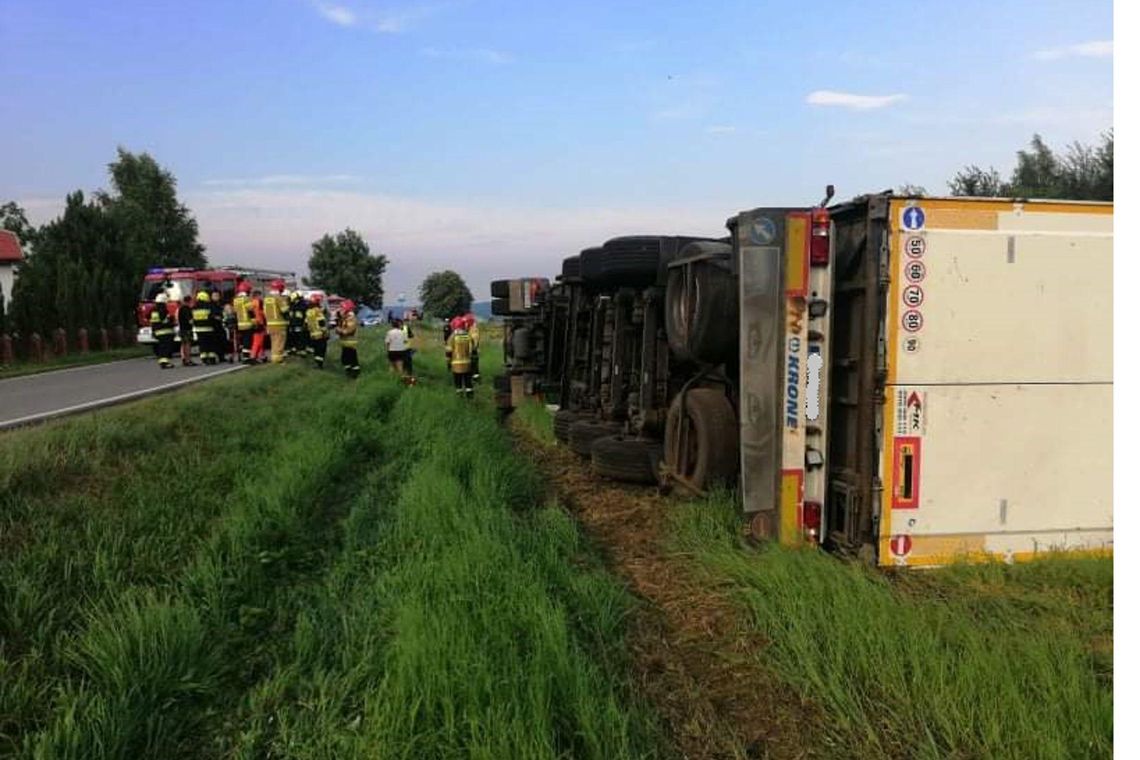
[(563, 419), (702, 321), (500, 288), (521, 343), (572, 268), (634, 261), (584, 432), (629, 460), (702, 445)]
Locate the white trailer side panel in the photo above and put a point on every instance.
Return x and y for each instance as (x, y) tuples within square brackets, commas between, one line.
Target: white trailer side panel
[(1001, 306), (998, 423), (1005, 468)]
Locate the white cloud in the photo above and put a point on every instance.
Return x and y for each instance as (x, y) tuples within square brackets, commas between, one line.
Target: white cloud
[(851, 100), (292, 180), (720, 129), (1092, 49), (399, 20), (338, 14), (481, 55)]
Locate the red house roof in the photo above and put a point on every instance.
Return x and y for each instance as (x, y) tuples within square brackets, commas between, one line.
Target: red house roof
[(10, 251)]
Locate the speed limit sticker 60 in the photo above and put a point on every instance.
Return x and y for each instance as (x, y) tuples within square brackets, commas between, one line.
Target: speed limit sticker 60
[(915, 271)]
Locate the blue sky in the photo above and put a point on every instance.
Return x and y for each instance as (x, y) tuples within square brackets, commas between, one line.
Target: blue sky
[(495, 138)]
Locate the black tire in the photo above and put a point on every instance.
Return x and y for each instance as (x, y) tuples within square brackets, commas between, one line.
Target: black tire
[(712, 439), (563, 419), (571, 268), (500, 288), (701, 321), (629, 460), (584, 432), (632, 261), (501, 307), (522, 345)]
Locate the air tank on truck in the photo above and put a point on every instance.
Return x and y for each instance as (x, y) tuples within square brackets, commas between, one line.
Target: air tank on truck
[(911, 380)]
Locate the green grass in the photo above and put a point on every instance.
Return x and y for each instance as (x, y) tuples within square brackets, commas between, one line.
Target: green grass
[(284, 563), (537, 420), (987, 662), (21, 368)]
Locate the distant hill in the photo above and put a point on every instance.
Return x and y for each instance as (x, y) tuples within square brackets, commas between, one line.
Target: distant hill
[(482, 309)]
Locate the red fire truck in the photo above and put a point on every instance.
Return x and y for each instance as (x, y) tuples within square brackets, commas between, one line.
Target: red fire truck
[(178, 282)]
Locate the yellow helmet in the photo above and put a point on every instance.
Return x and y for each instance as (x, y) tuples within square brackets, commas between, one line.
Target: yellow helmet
[(203, 296)]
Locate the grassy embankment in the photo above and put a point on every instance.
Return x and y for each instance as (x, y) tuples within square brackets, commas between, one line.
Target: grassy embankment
[(284, 563), (989, 661)]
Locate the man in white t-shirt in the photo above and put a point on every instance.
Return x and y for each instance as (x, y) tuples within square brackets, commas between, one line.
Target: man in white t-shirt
[(397, 344)]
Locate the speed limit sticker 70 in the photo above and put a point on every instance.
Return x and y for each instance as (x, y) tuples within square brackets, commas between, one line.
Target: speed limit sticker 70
[(913, 296), (915, 247)]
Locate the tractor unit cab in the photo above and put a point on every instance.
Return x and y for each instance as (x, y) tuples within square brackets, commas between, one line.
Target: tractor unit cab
[(525, 307)]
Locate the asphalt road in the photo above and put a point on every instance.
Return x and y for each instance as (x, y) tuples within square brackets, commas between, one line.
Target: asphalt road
[(34, 398)]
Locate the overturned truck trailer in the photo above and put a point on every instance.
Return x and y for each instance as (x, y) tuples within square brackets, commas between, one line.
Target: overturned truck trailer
[(910, 380)]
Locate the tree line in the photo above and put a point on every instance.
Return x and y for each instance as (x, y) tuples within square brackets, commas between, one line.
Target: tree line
[(1081, 173), (84, 268)]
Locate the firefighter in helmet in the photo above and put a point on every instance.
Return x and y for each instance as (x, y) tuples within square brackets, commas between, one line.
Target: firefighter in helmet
[(346, 330), (296, 339), (318, 330), (459, 351), (276, 307), (162, 328), (243, 310), (204, 328)]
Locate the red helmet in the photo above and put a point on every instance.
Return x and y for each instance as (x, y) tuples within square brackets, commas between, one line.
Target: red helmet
[(244, 286), (347, 305), (315, 299), (469, 319), (278, 285), (458, 323)]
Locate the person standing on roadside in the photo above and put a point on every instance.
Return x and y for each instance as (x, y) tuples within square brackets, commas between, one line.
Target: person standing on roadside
[(218, 320), (243, 309), (257, 342), (186, 330), (396, 341), (346, 330), (459, 347), (296, 340), (409, 354), (276, 320), (204, 328), (318, 331), (473, 330), (162, 328)]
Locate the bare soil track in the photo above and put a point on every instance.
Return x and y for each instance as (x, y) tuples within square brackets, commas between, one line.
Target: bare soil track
[(692, 660)]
